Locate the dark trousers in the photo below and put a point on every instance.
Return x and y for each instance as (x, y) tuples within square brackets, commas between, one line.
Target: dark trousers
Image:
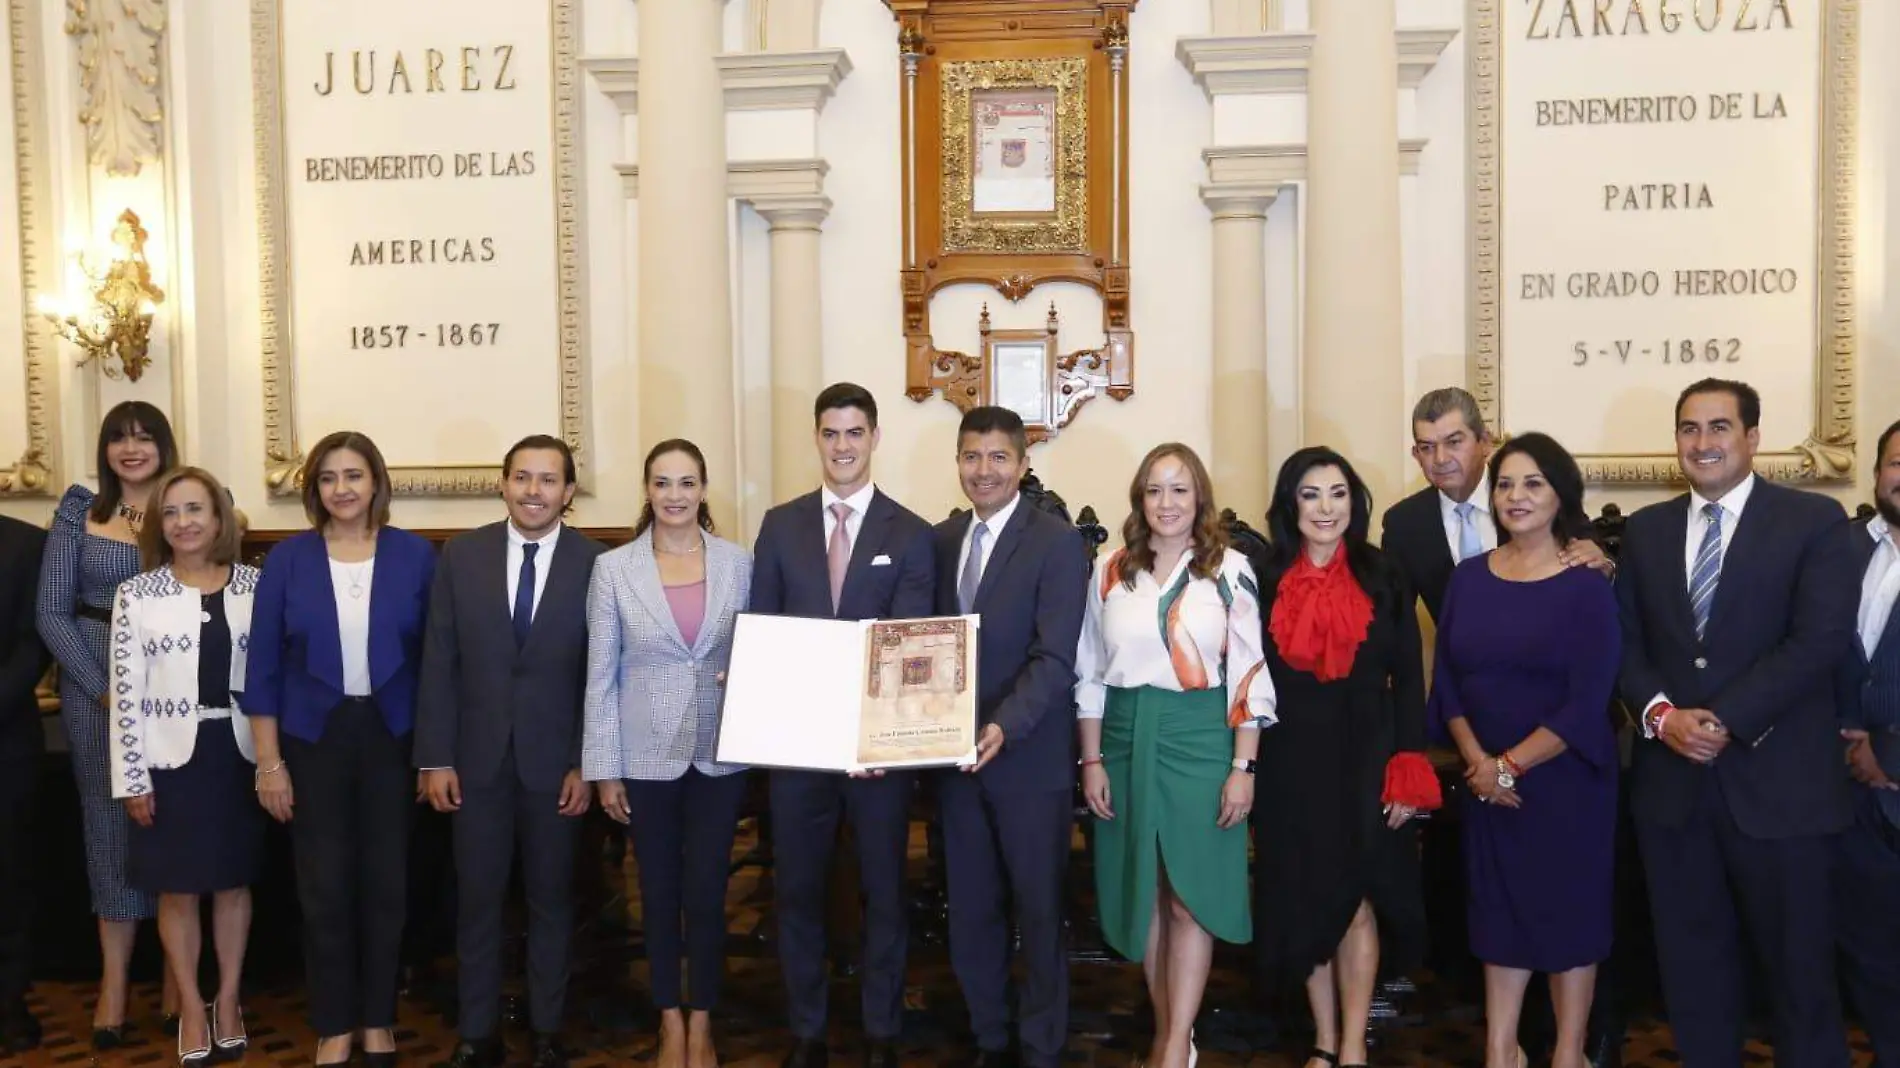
[(806, 807), (1867, 890), (19, 783), (682, 831), (492, 819), (1004, 849), (350, 830), (1711, 887)]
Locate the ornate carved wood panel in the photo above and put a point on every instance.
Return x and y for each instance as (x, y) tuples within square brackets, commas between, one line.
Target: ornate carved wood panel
[(1015, 172)]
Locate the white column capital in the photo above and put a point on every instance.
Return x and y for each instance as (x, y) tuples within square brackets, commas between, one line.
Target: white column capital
[(793, 212), (1239, 200)]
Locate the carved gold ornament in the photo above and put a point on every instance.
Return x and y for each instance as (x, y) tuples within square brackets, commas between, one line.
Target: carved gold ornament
[(112, 324)]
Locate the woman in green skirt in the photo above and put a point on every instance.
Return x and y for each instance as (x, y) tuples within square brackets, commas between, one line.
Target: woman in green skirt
[(1171, 701)]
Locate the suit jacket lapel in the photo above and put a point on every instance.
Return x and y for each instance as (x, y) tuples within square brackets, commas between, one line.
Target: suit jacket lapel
[(326, 637), (385, 648), (864, 549), (1431, 534), (719, 576), (1751, 532), (570, 570), (1007, 540), (491, 562), (649, 590)]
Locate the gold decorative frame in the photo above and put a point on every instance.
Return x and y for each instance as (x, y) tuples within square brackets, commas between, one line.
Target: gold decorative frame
[(1066, 231), (34, 474), (283, 454), (1827, 454)]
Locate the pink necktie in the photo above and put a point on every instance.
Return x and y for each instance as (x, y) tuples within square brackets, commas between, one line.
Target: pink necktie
[(838, 553)]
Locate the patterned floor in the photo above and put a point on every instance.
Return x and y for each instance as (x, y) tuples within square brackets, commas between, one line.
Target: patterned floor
[(609, 1023)]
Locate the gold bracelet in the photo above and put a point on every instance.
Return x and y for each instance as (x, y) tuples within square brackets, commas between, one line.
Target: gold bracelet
[(272, 770)]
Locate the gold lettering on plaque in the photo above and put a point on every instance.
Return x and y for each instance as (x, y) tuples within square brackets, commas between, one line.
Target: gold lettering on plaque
[(400, 70)]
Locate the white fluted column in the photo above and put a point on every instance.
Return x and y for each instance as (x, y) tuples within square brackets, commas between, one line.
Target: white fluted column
[(686, 374), (1241, 466), (1353, 382), (798, 364)]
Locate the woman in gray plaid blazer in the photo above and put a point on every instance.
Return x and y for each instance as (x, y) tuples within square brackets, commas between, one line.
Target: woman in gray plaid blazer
[(660, 613)]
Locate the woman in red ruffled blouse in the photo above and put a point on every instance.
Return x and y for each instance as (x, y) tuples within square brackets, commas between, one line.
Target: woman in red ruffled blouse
[(1336, 883)]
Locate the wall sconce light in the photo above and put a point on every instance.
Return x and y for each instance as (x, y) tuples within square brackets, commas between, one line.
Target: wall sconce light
[(113, 323)]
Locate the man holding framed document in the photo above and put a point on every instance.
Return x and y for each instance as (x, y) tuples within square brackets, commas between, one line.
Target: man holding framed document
[(1008, 818), (847, 552)]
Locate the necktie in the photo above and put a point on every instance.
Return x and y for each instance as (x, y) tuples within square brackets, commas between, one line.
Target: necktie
[(838, 553), (1469, 544), (1707, 573), (524, 595), (972, 569)]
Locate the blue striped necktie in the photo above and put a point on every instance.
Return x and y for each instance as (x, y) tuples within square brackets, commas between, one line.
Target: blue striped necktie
[(1707, 574)]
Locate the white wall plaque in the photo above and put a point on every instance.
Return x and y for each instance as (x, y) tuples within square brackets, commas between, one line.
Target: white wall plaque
[(418, 164), (1662, 192)]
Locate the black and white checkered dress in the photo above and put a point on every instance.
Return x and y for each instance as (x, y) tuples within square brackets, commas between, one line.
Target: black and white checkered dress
[(81, 568)]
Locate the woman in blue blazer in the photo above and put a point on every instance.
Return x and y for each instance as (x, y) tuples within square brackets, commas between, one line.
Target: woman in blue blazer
[(336, 641)]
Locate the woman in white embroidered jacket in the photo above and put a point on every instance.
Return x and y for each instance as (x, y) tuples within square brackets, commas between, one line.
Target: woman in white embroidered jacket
[(179, 635)]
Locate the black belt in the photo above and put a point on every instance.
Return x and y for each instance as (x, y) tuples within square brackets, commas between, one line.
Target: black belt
[(87, 611)]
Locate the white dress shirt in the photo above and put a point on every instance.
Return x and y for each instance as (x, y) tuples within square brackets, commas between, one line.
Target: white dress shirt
[(1880, 586), (352, 620), (859, 502), (992, 526), (541, 559), (1480, 517), (1732, 504)]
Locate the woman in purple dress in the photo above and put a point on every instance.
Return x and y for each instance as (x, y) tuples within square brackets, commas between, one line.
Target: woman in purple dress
[(1527, 658)]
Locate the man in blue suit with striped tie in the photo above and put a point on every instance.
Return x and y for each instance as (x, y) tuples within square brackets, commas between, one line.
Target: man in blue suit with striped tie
[(1737, 605)]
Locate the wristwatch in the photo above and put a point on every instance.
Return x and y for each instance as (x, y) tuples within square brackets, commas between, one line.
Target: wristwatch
[(1247, 766), (1506, 780)]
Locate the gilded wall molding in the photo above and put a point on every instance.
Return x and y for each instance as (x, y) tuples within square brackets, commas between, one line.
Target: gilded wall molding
[(1827, 452), (118, 46), (283, 452), (35, 472)]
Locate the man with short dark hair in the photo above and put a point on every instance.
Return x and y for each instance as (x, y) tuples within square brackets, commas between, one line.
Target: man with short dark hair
[(1867, 881), (1008, 819), (22, 739), (1737, 605), (843, 551), (498, 737)]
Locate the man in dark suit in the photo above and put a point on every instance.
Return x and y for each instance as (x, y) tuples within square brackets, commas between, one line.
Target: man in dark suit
[(1738, 605), (1433, 530), (498, 737), (1008, 818), (843, 551), (1867, 878), (22, 739)]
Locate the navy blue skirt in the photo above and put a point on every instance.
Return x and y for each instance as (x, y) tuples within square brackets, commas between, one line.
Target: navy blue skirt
[(207, 831)]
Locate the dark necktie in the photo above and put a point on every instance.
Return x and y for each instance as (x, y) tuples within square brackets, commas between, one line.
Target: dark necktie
[(524, 595)]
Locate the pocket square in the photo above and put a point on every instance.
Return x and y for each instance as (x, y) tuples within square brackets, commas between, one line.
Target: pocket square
[(880, 560)]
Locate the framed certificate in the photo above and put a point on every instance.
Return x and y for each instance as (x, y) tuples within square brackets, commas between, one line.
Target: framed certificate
[(867, 694), (1013, 155)]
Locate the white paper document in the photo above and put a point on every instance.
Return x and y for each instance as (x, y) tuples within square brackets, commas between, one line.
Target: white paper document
[(848, 695)]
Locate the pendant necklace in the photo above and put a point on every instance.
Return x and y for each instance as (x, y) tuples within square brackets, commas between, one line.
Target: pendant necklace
[(134, 517), (356, 579)]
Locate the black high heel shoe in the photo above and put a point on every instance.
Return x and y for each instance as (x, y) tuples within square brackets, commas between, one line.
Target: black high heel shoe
[(110, 1038), (385, 1059)]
